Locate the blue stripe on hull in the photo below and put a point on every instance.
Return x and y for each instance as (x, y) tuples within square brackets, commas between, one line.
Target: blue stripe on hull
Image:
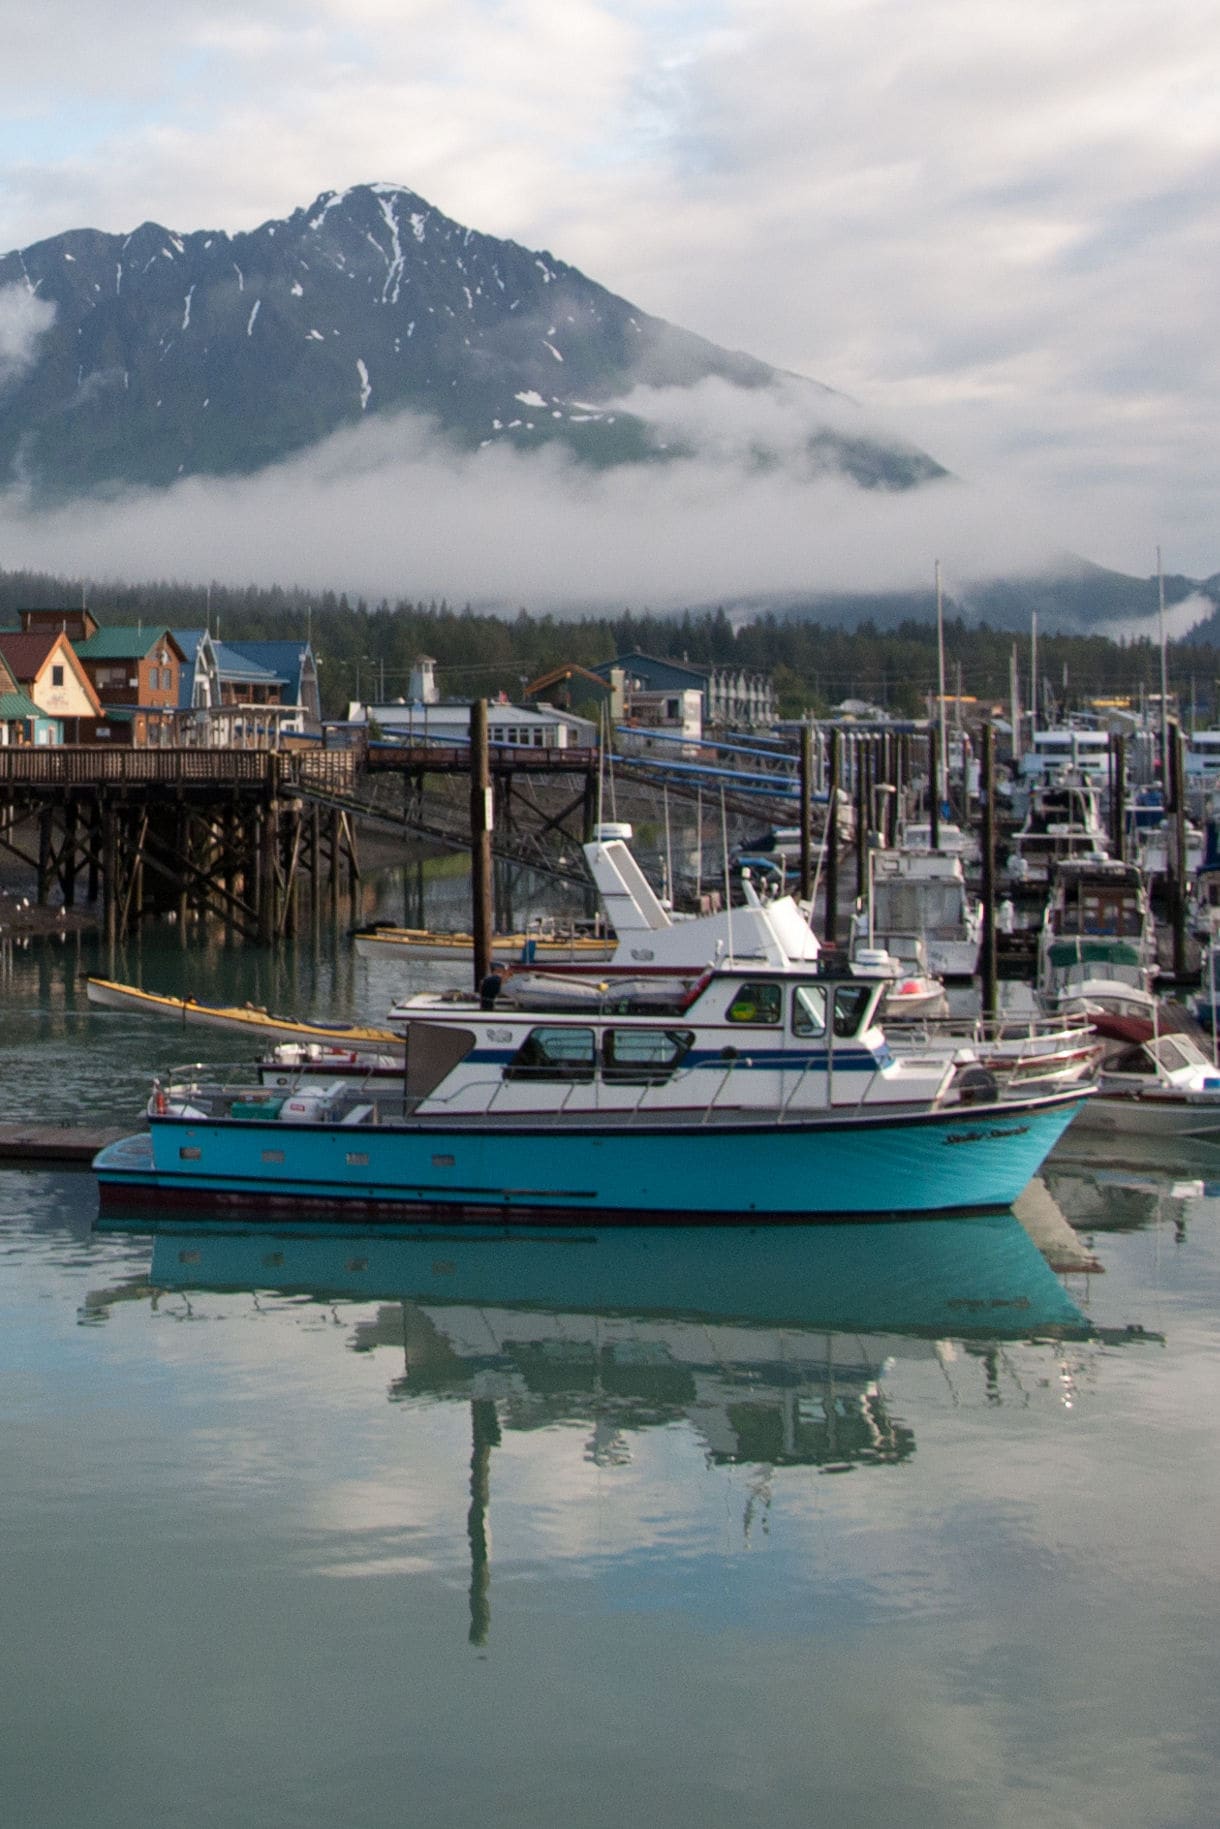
[(939, 1164)]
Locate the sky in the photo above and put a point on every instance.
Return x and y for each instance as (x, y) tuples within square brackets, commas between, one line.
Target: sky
[(997, 228)]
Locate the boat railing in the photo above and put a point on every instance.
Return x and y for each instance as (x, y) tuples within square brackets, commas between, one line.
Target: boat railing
[(1008, 1026), (211, 1091), (809, 1066)]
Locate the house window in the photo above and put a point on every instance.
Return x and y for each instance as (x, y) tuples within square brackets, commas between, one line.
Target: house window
[(57, 676)]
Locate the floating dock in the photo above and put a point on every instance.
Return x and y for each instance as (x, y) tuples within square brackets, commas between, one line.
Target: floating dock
[(64, 1146)]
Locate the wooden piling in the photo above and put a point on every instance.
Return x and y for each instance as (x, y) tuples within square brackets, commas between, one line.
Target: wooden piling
[(830, 918), (806, 796), (1177, 851), (480, 842), (1118, 796)]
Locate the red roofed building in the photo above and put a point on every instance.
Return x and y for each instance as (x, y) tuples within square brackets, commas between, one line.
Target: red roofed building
[(46, 667)]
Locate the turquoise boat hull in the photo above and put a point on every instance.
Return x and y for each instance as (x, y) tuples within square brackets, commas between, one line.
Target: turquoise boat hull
[(975, 1277), (594, 1172)]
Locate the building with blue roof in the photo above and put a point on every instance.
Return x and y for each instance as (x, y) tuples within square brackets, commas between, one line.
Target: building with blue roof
[(248, 694)]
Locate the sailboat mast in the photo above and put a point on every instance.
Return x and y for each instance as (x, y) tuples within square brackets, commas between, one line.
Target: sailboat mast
[(1160, 592), (941, 786)]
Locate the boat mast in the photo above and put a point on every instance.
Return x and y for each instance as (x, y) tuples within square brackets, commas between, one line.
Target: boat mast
[(941, 786), (1160, 592)]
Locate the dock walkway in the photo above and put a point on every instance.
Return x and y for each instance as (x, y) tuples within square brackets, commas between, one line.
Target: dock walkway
[(55, 1145)]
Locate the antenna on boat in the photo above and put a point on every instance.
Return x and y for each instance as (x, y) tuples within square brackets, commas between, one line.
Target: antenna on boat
[(601, 767), (669, 861), (724, 849), (698, 847)]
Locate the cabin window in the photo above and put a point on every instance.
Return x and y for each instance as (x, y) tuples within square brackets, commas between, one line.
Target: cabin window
[(554, 1054), (643, 1057), (809, 1010), (851, 1002), (758, 1003)]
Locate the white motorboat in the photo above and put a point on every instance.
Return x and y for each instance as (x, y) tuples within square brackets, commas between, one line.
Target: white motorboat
[(1063, 822), (925, 893), (1097, 947), (912, 992), (1153, 1083)]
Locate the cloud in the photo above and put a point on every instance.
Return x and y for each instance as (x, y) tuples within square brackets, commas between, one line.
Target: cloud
[(388, 508), (23, 320), (999, 225), (1180, 618)]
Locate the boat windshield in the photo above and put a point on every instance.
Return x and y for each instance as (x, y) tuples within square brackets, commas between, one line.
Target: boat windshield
[(1177, 1052), (916, 904), (809, 1010)]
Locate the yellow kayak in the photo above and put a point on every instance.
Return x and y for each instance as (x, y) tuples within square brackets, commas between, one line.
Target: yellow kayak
[(243, 1018), (385, 941)]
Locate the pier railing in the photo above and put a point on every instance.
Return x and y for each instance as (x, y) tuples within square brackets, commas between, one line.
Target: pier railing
[(95, 766)]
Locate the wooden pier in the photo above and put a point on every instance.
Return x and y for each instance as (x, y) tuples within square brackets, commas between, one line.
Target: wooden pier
[(228, 833), (248, 836)]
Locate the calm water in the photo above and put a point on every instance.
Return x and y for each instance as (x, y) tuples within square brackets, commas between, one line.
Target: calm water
[(859, 1525)]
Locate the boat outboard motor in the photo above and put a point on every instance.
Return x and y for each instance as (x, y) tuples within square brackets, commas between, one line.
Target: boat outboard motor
[(489, 990)]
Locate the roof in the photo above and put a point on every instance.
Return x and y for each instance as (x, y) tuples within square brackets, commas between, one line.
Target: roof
[(569, 670), (125, 643), (284, 659), (189, 640), (17, 705), (643, 663), (233, 662), (26, 654)]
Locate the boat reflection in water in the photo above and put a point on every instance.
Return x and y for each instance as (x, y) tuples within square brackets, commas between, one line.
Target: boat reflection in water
[(771, 1343), (1118, 1188)]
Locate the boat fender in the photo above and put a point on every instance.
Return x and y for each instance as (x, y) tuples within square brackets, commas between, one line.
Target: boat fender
[(977, 1086), (159, 1100)]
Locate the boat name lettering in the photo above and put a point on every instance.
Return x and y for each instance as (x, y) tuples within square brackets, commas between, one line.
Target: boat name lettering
[(980, 1304), (983, 1136), (357, 1159), (499, 1035)]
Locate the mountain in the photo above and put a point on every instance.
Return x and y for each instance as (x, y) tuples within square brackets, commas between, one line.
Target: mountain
[(1073, 597), (169, 355)]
